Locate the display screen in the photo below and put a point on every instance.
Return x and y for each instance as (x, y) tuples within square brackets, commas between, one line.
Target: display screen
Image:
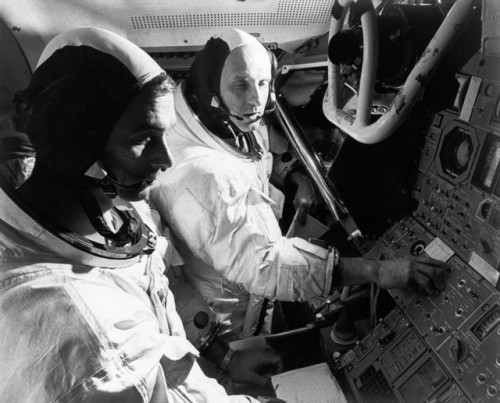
[(456, 152), (423, 383), (487, 169)]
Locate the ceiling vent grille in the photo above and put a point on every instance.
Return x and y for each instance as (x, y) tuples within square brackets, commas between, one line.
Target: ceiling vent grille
[(289, 12)]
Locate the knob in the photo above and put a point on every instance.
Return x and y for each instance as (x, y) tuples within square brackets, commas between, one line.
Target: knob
[(201, 320), (492, 391), (490, 90), (481, 379)]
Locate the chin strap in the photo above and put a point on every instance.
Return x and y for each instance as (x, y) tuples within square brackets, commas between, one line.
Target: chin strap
[(246, 142), (96, 177), (217, 121), (109, 181), (129, 232)]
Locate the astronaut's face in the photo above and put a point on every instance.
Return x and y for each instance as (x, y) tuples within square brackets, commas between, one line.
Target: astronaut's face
[(244, 87), (137, 148)]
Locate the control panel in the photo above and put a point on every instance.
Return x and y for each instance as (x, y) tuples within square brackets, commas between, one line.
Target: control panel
[(458, 332), (445, 348), (458, 191)]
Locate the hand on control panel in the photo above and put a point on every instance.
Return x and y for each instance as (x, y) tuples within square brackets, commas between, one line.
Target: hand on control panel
[(421, 274)]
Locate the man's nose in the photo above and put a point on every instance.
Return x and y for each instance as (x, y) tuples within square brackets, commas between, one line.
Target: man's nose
[(256, 97), (163, 158)]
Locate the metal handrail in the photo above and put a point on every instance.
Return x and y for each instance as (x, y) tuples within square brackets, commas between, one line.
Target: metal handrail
[(358, 127)]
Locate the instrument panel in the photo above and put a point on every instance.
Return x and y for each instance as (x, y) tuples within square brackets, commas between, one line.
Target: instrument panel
[(459, 331), (458, 190), (445, 348)]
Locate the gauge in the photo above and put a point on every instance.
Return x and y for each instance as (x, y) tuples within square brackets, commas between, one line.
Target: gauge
[(487, 324), (456, 153), (488, 166)]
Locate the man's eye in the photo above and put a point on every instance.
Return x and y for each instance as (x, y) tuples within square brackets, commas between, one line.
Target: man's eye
[(264, 83), (240, 86), (142, 140)]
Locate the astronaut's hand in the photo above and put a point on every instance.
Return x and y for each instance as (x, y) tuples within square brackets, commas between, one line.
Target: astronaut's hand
[(305, 198), (254, 366), (422, 274)]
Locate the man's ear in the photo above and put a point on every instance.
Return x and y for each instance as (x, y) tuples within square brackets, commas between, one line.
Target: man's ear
[(271, 100)]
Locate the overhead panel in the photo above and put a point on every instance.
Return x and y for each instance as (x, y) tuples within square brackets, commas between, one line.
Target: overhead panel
[(167, 25)]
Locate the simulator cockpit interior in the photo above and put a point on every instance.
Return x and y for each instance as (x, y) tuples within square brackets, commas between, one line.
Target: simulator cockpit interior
[(389, 108)]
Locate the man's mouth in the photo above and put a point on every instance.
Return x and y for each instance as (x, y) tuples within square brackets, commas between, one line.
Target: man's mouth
[(150, 179), (252, 117), (146, 181)]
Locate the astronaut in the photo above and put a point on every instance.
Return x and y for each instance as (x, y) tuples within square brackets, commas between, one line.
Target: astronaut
[(219, 202), (86, 313)]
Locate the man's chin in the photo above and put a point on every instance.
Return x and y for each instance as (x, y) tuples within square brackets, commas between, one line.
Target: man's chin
[(248, 125), (134, 194)]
